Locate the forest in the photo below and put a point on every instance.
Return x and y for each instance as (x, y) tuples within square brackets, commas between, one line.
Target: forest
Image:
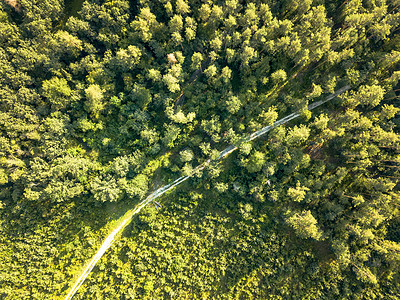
[(104, 101)]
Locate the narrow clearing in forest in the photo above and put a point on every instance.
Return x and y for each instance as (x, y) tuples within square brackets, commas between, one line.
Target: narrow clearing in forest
[(111, 237)]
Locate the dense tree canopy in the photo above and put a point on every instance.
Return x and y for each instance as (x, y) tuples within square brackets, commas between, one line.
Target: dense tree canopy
[(103, 101)]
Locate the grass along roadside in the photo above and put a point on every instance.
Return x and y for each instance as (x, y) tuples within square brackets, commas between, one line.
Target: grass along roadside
[(113, 229)]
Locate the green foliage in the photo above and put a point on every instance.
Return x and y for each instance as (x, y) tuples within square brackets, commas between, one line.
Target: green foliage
[(128, 58), (94, 99), (105, 190), (101, 107), (186, 155), (233, 104), (304, 224), (369, 96), (278, 76), (298, 193), (57, 92), (255, 162), (297, 135), (138, 186)]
